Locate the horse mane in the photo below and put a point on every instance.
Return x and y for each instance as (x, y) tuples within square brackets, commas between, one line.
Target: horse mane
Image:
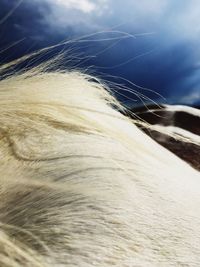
[(82, 185)]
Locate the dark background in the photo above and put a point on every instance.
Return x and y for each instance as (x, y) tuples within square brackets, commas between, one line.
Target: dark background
[(152, 44)]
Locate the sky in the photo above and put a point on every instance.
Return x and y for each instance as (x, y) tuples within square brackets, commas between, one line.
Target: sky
[(144, 45)]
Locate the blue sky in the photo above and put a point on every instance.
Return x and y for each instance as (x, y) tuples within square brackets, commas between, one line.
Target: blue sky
[(154, 44)]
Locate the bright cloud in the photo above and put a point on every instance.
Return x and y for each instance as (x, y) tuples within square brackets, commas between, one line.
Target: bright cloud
[(85, 6), (83, 14)]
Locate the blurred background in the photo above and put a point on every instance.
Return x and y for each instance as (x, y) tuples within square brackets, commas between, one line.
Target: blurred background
[(152, 47)]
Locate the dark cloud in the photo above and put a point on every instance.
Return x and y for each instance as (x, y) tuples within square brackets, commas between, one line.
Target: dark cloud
[(25, 29)]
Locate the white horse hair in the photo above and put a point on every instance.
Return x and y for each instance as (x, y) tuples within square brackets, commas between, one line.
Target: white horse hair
[(82, 186)]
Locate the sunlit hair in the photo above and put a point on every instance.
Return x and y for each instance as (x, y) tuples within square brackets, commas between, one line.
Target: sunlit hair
[(81, 185)]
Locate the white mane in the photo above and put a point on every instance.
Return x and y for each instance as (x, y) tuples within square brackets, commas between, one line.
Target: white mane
[(81, 185)]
